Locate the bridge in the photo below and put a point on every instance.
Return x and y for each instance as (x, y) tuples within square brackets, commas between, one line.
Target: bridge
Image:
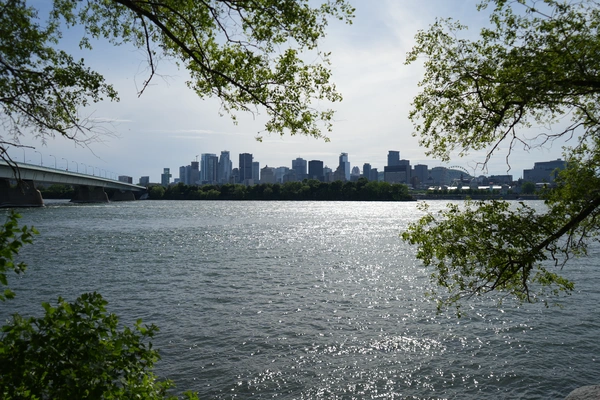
[(88, 188)]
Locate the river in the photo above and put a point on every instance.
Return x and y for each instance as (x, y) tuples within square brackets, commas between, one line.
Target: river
[(303, 300)]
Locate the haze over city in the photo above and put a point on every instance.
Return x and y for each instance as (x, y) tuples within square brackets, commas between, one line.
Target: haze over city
[(168, 126)]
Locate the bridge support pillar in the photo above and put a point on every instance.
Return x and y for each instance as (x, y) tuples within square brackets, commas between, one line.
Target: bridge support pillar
[(23, 195), (125, 195), (89, 194)]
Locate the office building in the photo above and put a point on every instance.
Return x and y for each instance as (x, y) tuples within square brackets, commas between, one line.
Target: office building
[(245, 168), (544, 171), (144, 181), (280, 172), (165, 177), (125, 179), (299, 166), (209, 164), (184, 174), (194, 173), (225, 167), (255, 172), (399, 173), (344, 168), (367, 171), (421, 172), (393, 158), (374, 176), (501, 179), (315, 170), (267, 175), (355, 174)]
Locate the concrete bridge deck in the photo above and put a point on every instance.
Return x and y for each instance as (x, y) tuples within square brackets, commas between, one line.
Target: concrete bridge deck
[(88, 188)]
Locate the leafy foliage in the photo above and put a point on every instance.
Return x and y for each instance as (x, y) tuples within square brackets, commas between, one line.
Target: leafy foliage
[(490, 246), (246, 53), (76, 351), (535, 65), (310, 189), (12, 238)]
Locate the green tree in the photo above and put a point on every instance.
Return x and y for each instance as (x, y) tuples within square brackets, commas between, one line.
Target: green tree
[(246, 53), (12, 238), (76, 351), (528, 188), (156, 192), (535, 65)]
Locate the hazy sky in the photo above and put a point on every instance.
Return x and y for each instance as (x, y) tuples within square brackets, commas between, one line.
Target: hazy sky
[(168, 126)]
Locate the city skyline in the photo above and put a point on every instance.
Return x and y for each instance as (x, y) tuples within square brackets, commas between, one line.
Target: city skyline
[(169, 123), (247, 171)]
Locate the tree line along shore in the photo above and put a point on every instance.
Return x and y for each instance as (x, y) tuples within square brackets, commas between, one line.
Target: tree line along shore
[(361, 190)]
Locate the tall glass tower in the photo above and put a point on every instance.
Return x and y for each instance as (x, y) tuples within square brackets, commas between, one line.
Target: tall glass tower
[(345, 165)]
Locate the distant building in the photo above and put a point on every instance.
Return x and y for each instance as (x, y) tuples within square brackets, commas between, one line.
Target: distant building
[(374, 175), (144, 180), (235, 176), (224, 168), (393, 158), (344, 166), (315, 170), (209, 164), (501, 179), (421, 172), (299, 166), (165, 177), (439, 176), (125, 179), (184, 174), (544, 171), (366, 171), (193, 177), (399, 173), (267, 175), (290, 176), (255, 172), (280, 172), (245, 168), (339, 174), (327, 174)]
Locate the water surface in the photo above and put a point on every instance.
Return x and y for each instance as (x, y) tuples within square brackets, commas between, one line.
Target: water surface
[(303, 300)]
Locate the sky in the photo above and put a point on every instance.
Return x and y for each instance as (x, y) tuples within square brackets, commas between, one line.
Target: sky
[(169, 126)]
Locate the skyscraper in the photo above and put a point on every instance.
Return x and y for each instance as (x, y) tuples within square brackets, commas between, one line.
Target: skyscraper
[(393, 158), (183, 175), (299, 166), (245, 167), (421, 172), (208, 168), (255, 171), (165, 177), (194, 175), (225, 167), (315, 170), (367, 171), (345, 165)]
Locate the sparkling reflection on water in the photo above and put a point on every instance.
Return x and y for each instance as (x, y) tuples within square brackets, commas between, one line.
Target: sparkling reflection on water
[(303, 300)]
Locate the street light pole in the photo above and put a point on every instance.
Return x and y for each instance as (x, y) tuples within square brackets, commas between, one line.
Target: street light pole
[(85, 167), (54, 160), (67, 163), (41, 160), (77, 165)]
